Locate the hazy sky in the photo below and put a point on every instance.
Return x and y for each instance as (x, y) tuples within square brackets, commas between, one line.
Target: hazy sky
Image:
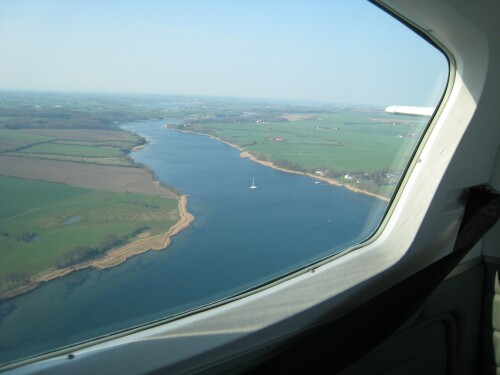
[(327, 50)]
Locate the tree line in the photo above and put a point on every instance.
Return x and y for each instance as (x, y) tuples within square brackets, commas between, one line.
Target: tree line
[(64, 118)]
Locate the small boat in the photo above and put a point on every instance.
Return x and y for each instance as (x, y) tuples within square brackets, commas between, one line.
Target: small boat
[(253, 186)]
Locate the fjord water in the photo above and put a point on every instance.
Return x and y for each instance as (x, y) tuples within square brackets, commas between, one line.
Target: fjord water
[(241, 238)]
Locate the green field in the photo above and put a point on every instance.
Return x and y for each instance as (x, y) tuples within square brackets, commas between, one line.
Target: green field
[(110, 143), (106, 147), (12, 135), (41, 222), (327, 143), (72, 150)]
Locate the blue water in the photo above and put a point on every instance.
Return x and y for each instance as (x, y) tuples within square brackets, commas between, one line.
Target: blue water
[(240, 238)]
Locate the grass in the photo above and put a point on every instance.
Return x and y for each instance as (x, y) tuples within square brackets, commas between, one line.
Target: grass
[(20, 195), (116, 161), (111, 143), (12, 135), (72, 150), (64, 217), (341, 142)]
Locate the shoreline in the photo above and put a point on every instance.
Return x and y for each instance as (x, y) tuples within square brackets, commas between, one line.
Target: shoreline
[(116, 256), (140, 147), (113, 257), (248, 155)]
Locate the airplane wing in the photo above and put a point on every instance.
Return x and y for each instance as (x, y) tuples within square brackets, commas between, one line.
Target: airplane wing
[(408, 110)]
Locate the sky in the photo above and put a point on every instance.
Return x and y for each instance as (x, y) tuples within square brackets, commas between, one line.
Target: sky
[(340, 51)]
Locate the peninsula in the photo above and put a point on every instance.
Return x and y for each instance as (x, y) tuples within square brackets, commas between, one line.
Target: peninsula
[(73, 198)]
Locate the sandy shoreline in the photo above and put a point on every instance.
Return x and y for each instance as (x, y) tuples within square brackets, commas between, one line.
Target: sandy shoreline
[(140, 147), (249, 155)]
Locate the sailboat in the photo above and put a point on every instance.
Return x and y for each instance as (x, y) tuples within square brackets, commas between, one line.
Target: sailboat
[(253, 186)]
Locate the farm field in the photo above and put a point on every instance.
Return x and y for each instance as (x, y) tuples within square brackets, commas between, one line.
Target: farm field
[(79, 135), (344, 144), (42, 224), (113, 161), (89, 151), (101, 177), (107, 147)]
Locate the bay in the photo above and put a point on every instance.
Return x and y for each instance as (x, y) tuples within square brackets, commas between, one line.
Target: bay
[(240, 238)]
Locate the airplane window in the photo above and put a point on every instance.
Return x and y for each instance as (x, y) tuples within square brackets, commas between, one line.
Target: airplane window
[(157, 157)]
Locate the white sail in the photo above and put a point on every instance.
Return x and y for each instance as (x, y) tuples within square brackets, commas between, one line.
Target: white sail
[(253, 186)]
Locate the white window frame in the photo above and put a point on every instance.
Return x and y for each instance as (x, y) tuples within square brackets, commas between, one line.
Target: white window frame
[(419, 229)]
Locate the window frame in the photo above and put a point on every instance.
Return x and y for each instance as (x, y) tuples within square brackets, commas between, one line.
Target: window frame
[(415, 232)]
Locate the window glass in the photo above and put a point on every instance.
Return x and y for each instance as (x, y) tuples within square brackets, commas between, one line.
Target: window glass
[(159, 156)]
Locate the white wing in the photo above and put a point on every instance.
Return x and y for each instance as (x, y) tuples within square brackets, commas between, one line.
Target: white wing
[(407, 110)]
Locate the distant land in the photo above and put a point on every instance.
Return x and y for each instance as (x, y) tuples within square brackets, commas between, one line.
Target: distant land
[(362, 148)]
